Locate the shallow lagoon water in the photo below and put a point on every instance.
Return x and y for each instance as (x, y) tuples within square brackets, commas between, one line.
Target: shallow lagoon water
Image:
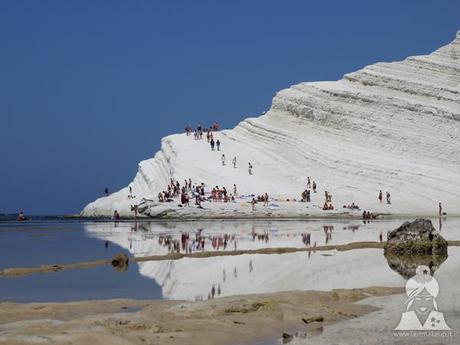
[(32, 244), (50, 242)]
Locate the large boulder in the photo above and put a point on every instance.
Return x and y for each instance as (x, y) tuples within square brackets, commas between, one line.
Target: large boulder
[(413, 244), (416, 238)]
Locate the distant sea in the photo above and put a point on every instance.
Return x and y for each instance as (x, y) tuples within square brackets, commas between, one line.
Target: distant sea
[(14, 216)]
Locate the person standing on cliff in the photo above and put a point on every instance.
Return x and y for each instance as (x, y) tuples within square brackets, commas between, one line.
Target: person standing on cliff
[(266, 199), (134, 208), (388, 198)]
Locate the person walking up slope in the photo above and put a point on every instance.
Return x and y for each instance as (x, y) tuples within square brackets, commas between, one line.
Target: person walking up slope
[(250, 168), (223, 159), (234, 162), (388, 198)]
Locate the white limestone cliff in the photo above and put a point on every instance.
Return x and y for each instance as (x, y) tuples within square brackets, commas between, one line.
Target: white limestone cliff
[(390, 126)]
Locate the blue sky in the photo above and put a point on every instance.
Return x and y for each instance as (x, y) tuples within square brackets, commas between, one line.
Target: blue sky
[(88, 88)]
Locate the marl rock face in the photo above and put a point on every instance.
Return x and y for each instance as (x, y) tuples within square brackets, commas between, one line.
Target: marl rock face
[(390, 126)]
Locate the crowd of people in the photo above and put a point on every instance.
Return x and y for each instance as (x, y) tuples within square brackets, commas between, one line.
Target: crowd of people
[(260, 198), (306, 194), (187, 191), (198, 133), (369, 215), (221, 194), (263, 198)]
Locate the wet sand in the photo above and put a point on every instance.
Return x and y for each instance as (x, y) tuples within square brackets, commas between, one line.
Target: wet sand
[(229, 320)]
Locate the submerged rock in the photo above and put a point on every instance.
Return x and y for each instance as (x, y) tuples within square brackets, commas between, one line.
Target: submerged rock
[(120, 262), (413, 244)]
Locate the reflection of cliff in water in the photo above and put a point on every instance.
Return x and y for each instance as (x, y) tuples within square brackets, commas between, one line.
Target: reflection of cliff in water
[(405, 265), (202, 278)]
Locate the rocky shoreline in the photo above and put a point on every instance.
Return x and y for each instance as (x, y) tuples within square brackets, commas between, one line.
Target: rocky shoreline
[(228, 320)]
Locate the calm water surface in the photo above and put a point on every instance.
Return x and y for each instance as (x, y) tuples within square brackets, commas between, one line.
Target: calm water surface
[(59, 242)]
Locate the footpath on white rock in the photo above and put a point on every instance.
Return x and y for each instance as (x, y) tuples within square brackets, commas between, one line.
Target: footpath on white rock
[(390, 127)]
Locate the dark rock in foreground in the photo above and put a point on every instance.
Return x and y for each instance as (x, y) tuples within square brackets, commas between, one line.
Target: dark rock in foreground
[(413, 244), (416, 238)]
